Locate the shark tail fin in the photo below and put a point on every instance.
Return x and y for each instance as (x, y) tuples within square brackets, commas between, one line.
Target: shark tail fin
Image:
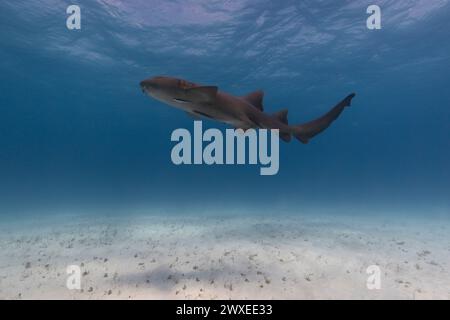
[(304, 132)]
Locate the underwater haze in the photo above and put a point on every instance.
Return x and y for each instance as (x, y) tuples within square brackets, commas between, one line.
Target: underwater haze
[(77, 133)]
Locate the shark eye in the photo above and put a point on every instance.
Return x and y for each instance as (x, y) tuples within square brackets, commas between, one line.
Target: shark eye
[(182, 84)]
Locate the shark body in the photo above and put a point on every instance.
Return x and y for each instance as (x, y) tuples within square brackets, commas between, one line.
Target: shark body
[(240, 112)]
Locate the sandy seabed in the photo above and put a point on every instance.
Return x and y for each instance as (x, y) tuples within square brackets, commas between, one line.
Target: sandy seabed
[(228, 257)]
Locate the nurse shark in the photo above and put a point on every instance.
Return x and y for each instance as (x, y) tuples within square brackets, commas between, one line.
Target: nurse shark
[(240, 112)]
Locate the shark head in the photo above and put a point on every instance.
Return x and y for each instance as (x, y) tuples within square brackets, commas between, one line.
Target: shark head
[(177, 92), (166, 89)]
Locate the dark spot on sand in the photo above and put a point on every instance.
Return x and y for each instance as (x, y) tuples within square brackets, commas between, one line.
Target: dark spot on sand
[(308, 277), (423, 253)]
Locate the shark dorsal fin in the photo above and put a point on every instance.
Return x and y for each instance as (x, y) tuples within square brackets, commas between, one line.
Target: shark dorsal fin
[(281, 116), (255, 99), (202, 93)]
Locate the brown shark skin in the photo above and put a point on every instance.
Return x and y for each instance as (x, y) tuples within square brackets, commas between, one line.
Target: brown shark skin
[(239, 112)]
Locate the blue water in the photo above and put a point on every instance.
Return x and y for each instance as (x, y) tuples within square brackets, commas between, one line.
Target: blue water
[(76, 132)]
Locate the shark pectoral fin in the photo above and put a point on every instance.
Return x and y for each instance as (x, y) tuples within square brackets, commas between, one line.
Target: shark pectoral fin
[(202, 94), (244, 126), (193, 115), (281, 116), (255, 99)]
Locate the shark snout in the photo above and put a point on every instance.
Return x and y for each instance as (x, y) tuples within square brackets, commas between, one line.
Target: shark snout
[(147, 85), (161, 86)]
